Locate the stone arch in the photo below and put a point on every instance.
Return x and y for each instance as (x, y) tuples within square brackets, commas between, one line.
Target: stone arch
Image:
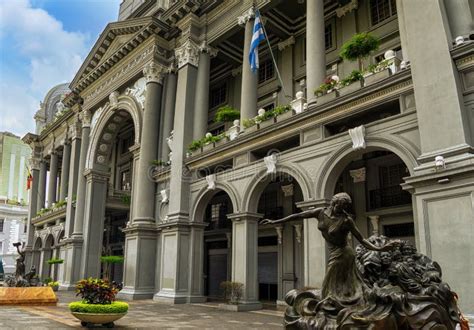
[(256, 186), (106, 123), (340, 158), (205, 195)]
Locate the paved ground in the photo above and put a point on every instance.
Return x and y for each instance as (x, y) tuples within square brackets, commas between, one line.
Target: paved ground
[(142, 314)]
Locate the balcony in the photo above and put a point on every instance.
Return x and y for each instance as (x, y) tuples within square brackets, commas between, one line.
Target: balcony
[(388, 197), (46, 215)]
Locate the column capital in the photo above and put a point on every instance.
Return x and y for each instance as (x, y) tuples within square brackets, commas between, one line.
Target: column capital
[(86, 117), (245, 216), (74, 130), (246, 16), (286, 43), (34, 163), (153, 72), (205, 48), (187, 53)]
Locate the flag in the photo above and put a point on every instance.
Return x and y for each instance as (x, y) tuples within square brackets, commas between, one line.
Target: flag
[(258, 35), (29, 179)]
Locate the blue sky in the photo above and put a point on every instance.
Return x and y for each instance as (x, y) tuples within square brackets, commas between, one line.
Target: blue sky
[(42, 44)]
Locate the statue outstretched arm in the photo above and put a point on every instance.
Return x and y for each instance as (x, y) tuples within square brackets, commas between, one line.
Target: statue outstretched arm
[(311, 213), (357, 234)]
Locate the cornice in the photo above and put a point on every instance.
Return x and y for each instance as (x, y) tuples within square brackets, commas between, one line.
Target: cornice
[(95, 65)]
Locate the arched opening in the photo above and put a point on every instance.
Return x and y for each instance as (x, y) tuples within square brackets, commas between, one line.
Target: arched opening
[(217, 242), (380, 204), (47, 255), (280, 247)]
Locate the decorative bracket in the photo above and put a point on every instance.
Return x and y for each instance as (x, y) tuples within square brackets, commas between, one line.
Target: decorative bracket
[(211, 181), (357, 135), (270, 163), (164, 196)]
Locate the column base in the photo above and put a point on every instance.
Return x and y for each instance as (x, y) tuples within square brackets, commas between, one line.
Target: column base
[(171, 297), (131, 294), (67, 287), (242, 307)]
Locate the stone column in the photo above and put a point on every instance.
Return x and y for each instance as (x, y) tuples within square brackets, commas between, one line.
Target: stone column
[(139, 276), (314, 249), (65, 171), (402, 30), (286, 50), (460, 17), (315, 47), (41, 185), (168, 112), (201, 112), (75, 240), (53, 178), (248, 99), (245, 256), (32, 210), (443, 127), (75, 133), (145, 186)]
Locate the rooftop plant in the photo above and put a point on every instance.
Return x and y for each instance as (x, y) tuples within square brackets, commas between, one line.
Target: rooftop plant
[(54, 261), (226, 114), (360, 46)]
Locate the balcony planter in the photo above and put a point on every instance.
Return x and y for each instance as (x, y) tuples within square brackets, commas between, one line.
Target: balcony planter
[(321, 99), (250, 129), (285, 115), (207, 147), (221, 141), (351, 88), (377, 76), (266, 123)]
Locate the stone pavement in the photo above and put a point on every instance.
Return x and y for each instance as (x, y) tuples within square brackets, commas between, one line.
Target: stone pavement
[(142, 314)]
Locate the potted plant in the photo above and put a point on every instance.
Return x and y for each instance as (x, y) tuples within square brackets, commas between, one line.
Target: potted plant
[(54, 262), (195, 147), (249, 125), (109, 261), (351, 83), (232, 292), (98, 305), (226, 114), (377, 72), (359, 47), (283, 112), (54, 285), (265, 118), (327, 90)]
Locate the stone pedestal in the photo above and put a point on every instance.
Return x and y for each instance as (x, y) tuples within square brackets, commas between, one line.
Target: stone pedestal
[(29, 296), (72, 263)]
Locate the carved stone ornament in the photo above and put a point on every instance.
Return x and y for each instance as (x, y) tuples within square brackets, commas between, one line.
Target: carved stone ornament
[(358, 175), (169, 141), (34, 163), (96, 115), (138, 91), (279, 230), (188, 53), (86, 117), (287, 190), (248, 15), (211, 181), (154, 72), (298, 232), (205, 48), (113, 98), (357, 135), (164, 196), (298, 103), (286, 43), (270, 163), (353, 5)]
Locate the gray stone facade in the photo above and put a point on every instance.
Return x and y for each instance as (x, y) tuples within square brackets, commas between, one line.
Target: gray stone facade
[(401, 146)]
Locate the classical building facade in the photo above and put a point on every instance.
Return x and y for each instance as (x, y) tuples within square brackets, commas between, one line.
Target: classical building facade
[(186, 219), (14, 155)]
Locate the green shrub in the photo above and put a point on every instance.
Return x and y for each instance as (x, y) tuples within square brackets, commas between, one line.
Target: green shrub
[(47, 280), (59, 204), (360, 46), (97, 291), (354, 76), (43, 211), (281, 109), (328, 84), (226, 114), (195, 145), (113, 308), (248, 122), (232, 291), (53, 284), (198, 144), (126, 199), (54, 261), (158, 162), (112, 259)]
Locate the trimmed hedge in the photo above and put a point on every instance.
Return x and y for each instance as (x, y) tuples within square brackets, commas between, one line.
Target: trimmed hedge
[(112, 308)]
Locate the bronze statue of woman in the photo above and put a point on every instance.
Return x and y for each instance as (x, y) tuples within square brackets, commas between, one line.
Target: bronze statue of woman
[(342, 281)]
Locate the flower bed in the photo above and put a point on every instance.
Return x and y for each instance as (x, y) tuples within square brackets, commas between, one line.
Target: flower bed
[(115, 307)]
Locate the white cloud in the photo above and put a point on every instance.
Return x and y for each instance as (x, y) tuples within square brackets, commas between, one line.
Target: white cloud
[(52, 55)]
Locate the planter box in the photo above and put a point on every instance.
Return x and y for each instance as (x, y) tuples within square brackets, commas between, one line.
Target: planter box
[(378, 76), (221, 142), (240, 307), (267, 122), (95, 318), (207, 147), (285, 115), (351, 88), (196, 152), (327, 97), (251, 129)]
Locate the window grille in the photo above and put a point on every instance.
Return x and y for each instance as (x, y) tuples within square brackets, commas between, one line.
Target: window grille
[(380, 10), (2, 221), (399, 230)]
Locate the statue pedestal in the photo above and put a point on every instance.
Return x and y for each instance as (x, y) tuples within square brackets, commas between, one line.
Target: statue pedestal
[(28, 296)]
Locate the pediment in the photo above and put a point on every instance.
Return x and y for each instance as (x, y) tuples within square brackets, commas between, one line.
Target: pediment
[(115, 42)]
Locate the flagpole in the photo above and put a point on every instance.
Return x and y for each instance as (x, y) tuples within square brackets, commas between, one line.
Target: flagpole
[(273, 58)]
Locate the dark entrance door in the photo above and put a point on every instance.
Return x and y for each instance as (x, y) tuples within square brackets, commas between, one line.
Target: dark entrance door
[(216, 268)]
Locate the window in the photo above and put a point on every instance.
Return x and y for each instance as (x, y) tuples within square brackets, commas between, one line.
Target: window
[(218, 96), (380, 10), (125, 180), (266, 71), (25, 227), (328, 36), (127, 143), (2, 221), (399, 230), (390, 192)]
